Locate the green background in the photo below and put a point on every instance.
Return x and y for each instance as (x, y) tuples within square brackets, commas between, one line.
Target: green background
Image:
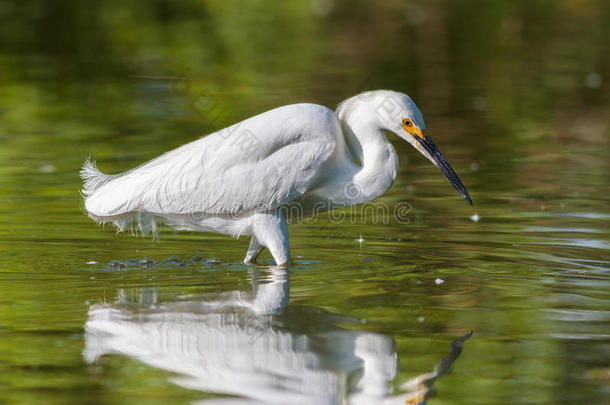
[(515, 94)]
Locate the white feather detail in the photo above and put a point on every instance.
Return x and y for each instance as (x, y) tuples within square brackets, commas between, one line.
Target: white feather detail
[(92, 177), (253, 166)]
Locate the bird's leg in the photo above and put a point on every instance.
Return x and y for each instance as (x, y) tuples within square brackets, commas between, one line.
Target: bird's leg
[(254, 250), (271, 230)]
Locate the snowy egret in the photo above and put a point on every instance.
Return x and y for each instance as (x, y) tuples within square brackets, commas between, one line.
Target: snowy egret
[(248, 179)]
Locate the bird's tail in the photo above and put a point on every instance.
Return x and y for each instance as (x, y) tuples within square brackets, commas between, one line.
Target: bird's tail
[(92, 177)]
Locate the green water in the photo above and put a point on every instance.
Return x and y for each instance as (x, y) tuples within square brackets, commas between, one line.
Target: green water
[(515, 93)]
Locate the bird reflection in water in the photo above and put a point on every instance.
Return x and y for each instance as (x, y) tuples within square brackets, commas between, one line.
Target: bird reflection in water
[(256, 350)]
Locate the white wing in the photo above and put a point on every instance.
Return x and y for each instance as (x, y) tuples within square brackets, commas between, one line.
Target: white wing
[(255, 165)]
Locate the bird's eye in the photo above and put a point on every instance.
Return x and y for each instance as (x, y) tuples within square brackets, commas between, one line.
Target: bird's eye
[(407, 123)]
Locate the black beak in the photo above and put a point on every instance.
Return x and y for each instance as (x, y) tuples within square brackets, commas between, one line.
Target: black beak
[(439, 161)]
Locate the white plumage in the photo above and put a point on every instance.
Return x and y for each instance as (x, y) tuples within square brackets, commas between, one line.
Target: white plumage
[(238, 180)]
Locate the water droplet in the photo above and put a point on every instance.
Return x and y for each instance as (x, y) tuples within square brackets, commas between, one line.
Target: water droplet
[(415, 15), (479, 104), (116, 265), (593, 80), (322, 7), (47, 169)]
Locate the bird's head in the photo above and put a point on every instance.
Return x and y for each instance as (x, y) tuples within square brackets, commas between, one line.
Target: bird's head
[(397, 113)]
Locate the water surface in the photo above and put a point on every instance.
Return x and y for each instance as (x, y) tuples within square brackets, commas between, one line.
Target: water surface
[(514, 93)]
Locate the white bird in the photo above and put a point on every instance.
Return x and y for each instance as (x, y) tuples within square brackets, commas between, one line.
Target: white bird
[(256, 176)]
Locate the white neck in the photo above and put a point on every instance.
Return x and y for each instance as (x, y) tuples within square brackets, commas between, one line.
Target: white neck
[(379, 161)]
